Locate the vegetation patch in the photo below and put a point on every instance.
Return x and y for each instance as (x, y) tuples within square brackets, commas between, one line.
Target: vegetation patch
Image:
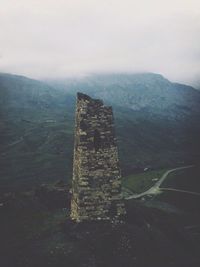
[(141, 182)]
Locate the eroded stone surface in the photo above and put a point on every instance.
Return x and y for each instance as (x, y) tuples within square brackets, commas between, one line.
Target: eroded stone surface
[(96, 185)]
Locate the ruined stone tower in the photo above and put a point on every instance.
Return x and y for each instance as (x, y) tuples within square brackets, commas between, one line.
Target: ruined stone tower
[(96, 185)]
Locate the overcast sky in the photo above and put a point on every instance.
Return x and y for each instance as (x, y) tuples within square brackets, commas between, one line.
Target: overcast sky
[(58, 38)]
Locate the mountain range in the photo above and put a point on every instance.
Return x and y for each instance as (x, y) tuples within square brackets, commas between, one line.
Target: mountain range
[(156, 121)]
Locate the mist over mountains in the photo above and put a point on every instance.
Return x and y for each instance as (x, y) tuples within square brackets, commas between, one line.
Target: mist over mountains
[(136, 91), (156, 121), (153, 115)]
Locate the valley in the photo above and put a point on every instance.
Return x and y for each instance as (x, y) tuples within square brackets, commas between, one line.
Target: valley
[(37, 121), (157, 130)]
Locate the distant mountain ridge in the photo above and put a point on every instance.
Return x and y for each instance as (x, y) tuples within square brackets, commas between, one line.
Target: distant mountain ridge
[(157, 124), (135, 91)]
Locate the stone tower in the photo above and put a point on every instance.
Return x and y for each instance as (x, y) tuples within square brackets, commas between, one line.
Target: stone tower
[(96, 184)]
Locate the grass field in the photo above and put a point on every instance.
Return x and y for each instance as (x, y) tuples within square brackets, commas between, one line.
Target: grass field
[(140, 182)]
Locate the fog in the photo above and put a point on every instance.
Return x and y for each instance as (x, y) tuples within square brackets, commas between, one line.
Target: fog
[(56, 39)]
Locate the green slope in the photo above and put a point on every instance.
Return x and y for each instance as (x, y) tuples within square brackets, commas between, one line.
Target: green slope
[(37, 120), (36, 132)]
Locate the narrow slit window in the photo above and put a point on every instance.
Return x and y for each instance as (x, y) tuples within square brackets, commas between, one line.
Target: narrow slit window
[(97, 140)]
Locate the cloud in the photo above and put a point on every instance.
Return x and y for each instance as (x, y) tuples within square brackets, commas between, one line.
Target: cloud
[(51, 38)]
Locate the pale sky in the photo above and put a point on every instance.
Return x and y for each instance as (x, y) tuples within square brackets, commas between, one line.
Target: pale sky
[(59, 38)]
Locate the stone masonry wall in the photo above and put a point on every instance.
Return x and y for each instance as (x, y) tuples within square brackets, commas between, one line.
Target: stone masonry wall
[(96, 185)]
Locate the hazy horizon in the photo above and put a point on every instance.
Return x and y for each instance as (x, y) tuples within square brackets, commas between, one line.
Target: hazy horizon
[(58, 39)]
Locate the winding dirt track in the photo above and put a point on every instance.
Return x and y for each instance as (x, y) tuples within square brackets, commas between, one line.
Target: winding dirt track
[(155, 189)]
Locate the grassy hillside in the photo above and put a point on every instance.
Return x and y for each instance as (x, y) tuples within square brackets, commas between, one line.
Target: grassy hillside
[(37, 121), (156, 120), (36, 132), (36, 147)]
